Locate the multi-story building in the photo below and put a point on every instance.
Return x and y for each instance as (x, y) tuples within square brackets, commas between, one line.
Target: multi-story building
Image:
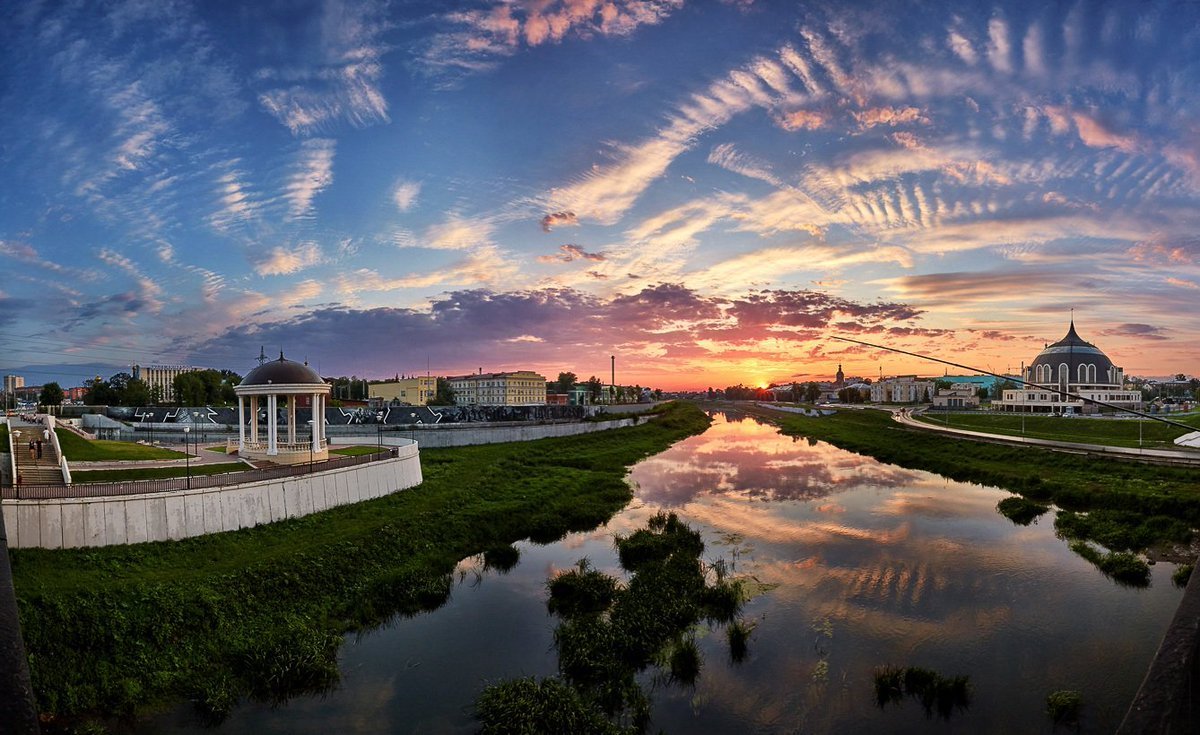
[(160, 377), (12, 382), (902, 389), (1066, 373), (519, 388), (415, 391)]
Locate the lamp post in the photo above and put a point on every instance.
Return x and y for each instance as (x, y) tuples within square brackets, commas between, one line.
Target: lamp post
[(187, 457), (311, 429)]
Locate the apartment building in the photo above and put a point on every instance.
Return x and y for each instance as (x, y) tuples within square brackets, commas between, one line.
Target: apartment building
[(519, 388)]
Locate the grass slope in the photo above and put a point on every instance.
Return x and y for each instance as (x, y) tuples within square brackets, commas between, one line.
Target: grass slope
[(1116, 433), (79, 449), (155, 473), (1122, 504), (258, 612)]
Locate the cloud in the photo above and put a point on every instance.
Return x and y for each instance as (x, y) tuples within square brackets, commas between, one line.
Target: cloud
[(478, 37), (312, 173), (803, 120), (1137, 331), (891, 116), (1094, 132), (570, 253), (730, 159), (342, 82), (458, 234), (405, 193), (282, 260), (559, 219)]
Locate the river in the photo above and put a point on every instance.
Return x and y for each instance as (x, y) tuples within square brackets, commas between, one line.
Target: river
[(864, 564)]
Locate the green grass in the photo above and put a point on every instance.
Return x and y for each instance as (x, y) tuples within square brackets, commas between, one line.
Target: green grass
[(356, 451), (218, 450), (78, 449), (1109, 432), (155, 473), (121, 629), (1151, 501)]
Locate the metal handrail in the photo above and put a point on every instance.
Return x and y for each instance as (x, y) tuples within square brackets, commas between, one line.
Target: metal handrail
[(139, 487)]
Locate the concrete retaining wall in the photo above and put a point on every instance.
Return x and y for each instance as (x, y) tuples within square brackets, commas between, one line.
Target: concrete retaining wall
[(462, 435), (131, 519)]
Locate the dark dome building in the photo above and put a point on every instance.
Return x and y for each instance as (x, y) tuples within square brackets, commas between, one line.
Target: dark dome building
[(1065, 373), (281, 385)]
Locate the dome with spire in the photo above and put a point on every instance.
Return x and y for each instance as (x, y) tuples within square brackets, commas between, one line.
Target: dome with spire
[(1073, 361), (282, 372)]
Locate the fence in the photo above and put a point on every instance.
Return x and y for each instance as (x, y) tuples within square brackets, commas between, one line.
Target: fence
[(198, 482)]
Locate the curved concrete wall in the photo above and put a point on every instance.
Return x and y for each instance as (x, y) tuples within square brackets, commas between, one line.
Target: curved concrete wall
[(131, 519)]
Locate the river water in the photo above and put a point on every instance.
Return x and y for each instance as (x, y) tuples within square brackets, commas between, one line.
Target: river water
[(865, 565)]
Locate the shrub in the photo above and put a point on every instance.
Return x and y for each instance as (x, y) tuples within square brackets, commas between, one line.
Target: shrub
[(1063, 706)]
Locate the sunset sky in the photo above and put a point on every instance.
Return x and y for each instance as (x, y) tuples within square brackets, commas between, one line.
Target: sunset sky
[(708, 190)]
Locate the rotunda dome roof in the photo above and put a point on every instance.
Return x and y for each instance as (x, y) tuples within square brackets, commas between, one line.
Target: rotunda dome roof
[(1074, 351), (282, 371)]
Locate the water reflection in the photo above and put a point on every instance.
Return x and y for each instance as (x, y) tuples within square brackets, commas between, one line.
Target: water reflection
[(747, 458), (874, 566)]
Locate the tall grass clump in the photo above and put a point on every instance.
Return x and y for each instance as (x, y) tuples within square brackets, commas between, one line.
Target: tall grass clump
[(1122, 566), (1021, 511), (1063, 707), (611, 632), (935, 692)]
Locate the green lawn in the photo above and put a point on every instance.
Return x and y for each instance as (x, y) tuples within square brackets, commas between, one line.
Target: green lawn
[(219, 450), (259, 612), (156, 473), (1111, 432), (356, 451), (78, 449)]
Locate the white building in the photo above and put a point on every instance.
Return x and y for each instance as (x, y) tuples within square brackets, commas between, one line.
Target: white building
[(161, 377), (901, 389), (519, 388), (958, 395), (12, 382), (1065, 373)]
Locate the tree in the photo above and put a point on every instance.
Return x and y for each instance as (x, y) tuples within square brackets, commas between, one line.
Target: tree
[(51, 395), (444, 395), (99, 393), (565, 382), (982, 393), (137, 393), (812, 392), (595, 387)]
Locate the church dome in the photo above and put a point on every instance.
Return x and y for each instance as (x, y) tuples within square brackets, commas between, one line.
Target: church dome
[(1085, 363), (282, 371)]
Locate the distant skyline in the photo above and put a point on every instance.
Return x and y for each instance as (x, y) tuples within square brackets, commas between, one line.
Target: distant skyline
[(707, 190)]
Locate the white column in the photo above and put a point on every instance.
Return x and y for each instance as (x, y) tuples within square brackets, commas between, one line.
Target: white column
[(272, 427), (317, 420), (254, 420), (291, 419), (241, 426)]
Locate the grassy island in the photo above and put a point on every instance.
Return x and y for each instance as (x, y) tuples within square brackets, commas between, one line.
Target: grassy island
[(259, 613)]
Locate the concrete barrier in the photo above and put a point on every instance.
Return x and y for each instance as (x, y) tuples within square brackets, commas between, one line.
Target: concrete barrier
[(129, 519)]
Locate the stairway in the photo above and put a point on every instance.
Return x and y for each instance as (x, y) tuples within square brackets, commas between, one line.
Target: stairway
[(32, 471)]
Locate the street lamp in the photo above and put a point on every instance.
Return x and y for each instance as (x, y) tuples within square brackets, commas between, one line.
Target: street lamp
[(311, 429), (187, 457)]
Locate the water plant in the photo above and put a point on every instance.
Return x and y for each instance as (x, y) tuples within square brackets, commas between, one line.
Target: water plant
[(610, 632), (1182, 574), (738, 632), (935, 692), (1063, 706), (501, 558), (1021, 511), (1122, 566)]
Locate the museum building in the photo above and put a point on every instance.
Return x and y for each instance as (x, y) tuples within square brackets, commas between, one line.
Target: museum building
[(1063, 375)]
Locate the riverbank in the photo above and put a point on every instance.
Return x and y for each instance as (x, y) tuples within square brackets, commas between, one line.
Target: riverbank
[(1122, 505), (259, 613)]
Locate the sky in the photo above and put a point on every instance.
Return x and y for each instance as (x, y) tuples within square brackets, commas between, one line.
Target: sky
[(709, 191)]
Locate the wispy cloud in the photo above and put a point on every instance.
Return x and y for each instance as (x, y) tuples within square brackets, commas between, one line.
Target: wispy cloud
[(570, 253), (282, 260), (559, 219), (405, 193), (311, 173)]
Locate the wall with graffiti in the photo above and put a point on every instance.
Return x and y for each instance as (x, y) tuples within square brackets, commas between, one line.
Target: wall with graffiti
[(387, 416)]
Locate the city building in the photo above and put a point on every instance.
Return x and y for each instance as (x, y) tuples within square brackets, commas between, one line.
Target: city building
[(160, 378), (958, 395), (1065, 373), (12, 382), (415, 391), (902, 389), (519, 388)]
